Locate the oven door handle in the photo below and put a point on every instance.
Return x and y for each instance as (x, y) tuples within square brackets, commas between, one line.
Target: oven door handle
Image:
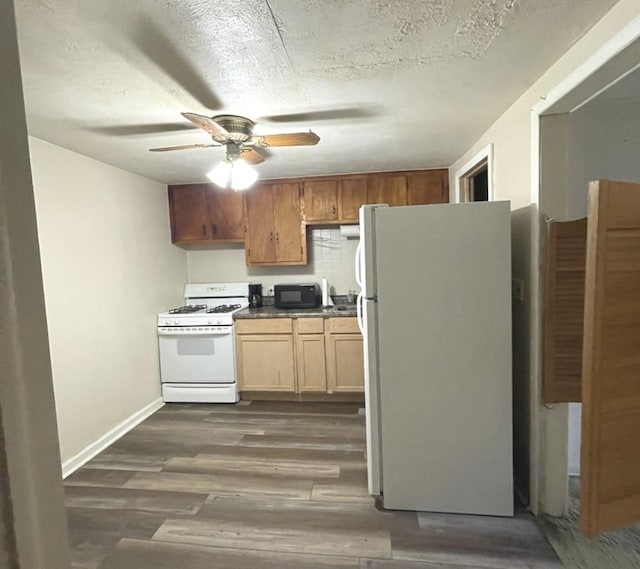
[(178, 334)]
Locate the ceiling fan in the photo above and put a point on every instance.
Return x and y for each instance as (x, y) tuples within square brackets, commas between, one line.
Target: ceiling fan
[(236, 133)]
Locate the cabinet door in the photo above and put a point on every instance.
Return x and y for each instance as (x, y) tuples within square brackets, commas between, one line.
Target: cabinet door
[(321, 200), (290, 233), (265, 362), (382, 188), (312, 371), (352, 193), (188, 212), (260, 238), (345, 363), (428, 187), (226, 214)]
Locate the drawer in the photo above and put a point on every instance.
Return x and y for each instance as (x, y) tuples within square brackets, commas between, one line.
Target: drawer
[(343, 326), (310, 325), (264, 326)]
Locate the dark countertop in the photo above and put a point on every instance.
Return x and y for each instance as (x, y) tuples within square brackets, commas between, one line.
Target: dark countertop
[(340, 310)]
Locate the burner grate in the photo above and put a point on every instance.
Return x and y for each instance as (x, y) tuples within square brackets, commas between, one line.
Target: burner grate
[(223, 308), (188, 309)]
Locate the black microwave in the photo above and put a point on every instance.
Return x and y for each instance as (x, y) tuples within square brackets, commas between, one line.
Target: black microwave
[(305, 295)]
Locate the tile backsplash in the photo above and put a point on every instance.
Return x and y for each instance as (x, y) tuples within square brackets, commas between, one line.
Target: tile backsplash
[(330, 255)]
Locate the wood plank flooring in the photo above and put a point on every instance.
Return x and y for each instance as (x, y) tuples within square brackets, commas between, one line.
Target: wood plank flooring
[(267, 485)]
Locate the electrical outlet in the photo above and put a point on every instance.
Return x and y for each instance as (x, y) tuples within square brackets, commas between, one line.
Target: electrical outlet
[(517, 289)]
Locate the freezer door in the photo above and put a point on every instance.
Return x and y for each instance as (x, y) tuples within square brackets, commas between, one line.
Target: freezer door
[(367, 319), (444, 357)]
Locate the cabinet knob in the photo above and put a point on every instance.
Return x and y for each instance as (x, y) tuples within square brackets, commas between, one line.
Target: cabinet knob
[(204, 230), (214, 229), (271, 235), (333, 210)]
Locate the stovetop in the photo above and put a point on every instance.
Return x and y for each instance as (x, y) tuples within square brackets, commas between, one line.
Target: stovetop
[(223, 308), (201, 315), (207, 304), (188, 309)]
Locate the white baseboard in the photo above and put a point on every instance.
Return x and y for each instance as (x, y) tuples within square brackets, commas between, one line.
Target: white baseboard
[(96, 447)]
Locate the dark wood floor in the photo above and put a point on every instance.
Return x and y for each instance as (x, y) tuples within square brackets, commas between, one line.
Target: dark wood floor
[(267, 485)]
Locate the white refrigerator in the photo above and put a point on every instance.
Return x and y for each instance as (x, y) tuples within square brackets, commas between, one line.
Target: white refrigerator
[(435, 313)]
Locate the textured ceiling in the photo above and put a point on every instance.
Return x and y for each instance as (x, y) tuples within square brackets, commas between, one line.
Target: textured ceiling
[(387, 85)]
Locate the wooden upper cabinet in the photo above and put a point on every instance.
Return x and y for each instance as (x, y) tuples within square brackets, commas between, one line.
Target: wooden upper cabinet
[(352, 193), (272, 215), (260, 239), (385, 188), (428, 187), (275, 231), (226, 214), (188, 212), (291, 235), (320, 200), (202, 212)]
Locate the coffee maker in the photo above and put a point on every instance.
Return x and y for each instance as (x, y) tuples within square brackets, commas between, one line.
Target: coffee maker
[(255, 295)]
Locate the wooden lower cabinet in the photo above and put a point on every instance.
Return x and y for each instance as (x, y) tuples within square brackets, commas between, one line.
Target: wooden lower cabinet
[(265, 355), (265, 362), (312, 368), (345, 363), (306, 355)]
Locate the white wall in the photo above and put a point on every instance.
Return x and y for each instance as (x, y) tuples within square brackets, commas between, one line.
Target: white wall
[(605, 144), (330, 256), (108, 268), (511, 137)]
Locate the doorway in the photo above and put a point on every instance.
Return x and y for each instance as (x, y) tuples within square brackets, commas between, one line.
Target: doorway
[(582, 137), (474, 181)]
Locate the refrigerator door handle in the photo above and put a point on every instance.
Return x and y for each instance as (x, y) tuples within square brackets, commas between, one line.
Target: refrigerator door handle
[(359, 264), (359, 315)]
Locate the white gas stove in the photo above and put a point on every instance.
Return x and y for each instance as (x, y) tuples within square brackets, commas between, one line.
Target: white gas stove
[(197, 356)]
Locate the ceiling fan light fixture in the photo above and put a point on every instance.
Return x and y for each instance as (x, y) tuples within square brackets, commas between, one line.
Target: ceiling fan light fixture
[(242, 175), (220, 174), (233, 173)]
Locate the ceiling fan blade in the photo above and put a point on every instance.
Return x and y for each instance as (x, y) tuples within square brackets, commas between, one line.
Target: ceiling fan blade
[(289, 139), (140, 129), (329, 114), (158, 48), (251, 155), (181, 147), (209, 125)]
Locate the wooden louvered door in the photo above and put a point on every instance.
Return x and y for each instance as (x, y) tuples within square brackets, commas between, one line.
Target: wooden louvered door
[(610, 454), (564, 310)]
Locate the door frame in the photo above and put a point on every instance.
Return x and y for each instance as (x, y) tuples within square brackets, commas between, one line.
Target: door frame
[(462, 177), (548, 479)]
